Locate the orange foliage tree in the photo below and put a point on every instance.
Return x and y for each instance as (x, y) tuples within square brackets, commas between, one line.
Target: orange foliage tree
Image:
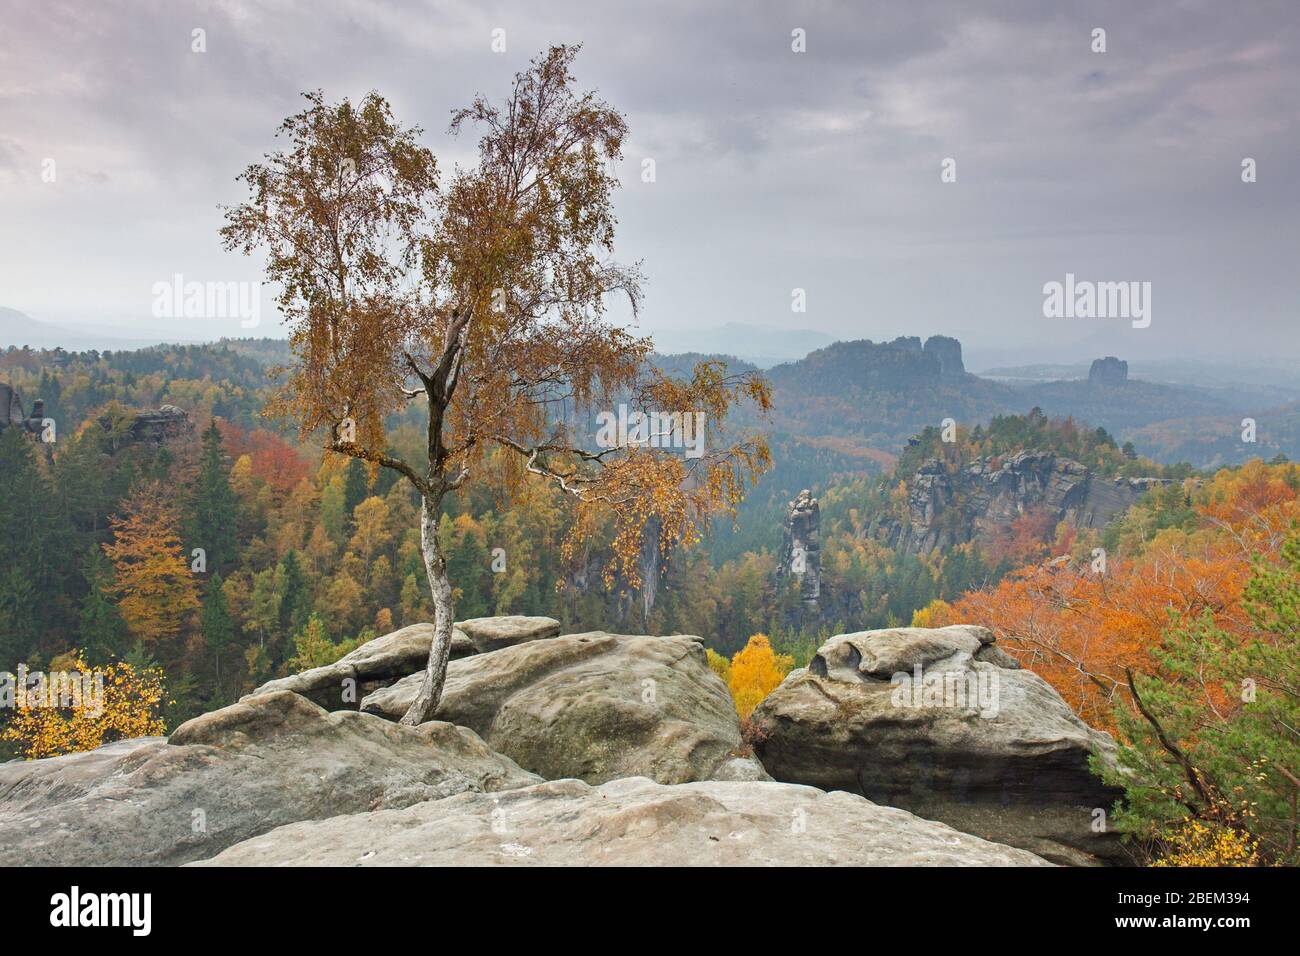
[(152, 581), (273, 459), (1081, 624)]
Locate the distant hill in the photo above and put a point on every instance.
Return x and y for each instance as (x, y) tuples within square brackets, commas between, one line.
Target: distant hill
[(20, 329), (876, 395), (882, 393), (763, 346)]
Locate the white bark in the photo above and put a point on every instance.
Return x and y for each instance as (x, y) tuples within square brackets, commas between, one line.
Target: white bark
[(435, 566)]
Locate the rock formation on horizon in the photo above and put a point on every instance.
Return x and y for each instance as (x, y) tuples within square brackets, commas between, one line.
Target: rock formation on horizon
[(1108, 371)]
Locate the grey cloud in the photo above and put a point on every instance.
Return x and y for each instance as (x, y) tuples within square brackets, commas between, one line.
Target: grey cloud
[(775, 169)]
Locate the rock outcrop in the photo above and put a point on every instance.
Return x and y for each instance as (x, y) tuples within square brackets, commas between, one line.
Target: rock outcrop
[(154, 426), (385, 660), (11, 411), (946, 351), (629, 822), (11, 406), (592, 706), (801, 556), (1108, 371), (944, 724), (944, 510), (230, 775)]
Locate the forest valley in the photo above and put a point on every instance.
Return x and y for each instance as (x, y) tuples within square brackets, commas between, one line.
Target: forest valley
[(308, 554)]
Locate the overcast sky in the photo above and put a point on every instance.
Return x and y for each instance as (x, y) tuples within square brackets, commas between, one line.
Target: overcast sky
[(775, 170)]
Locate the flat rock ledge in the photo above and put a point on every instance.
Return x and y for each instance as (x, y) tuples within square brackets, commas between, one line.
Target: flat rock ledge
[(230, 775), (629, 822)]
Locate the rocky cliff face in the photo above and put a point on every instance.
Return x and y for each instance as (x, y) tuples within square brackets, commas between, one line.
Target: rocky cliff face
[(801, 552), (946, 352), (11, 411), (156, 425), (945, 509)]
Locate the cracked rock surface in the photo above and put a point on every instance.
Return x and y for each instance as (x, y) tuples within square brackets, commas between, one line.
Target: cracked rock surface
[(591, 706)]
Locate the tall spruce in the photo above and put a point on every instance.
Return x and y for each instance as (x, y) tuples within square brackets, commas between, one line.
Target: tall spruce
[(34, 537), (103, 634), (210, 517), (218, 628)]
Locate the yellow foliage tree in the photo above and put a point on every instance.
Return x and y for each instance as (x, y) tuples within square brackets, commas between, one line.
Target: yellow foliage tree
[(1198, 844), (313, 648), (937, 613), (129, 708), (155, 589), (756, 670)]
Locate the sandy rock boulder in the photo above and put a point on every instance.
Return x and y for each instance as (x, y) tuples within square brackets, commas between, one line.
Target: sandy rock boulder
[(487, 634), (944, 724), (230, 775), (378, 663), (629, 822), (592, 706)]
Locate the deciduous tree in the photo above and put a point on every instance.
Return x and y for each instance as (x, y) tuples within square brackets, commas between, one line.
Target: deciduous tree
[(483, 296)]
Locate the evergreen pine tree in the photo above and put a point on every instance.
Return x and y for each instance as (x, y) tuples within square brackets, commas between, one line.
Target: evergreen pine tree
[(217, 625), (210, 518), (356, 487), (103, 634), (35, 537), (295, 602)]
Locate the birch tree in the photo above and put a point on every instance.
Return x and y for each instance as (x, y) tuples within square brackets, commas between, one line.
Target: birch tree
[(483, 294)]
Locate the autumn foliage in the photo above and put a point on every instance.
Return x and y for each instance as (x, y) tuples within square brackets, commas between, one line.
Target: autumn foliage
[(271, 459), (1176, 629), (755, 671), (1186, 552), (131, 707), (155, 588)]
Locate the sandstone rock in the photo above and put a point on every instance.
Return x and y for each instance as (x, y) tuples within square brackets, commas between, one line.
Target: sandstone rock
[(154, 426), (947, 352), (384, 660), (1006, 760), (629, 822), (801, 553), (990, 494), (230, 775), (592, 706), (493, 633), (742, 769)]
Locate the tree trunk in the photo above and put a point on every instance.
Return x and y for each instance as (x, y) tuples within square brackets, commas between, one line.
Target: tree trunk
[(435, 566)]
